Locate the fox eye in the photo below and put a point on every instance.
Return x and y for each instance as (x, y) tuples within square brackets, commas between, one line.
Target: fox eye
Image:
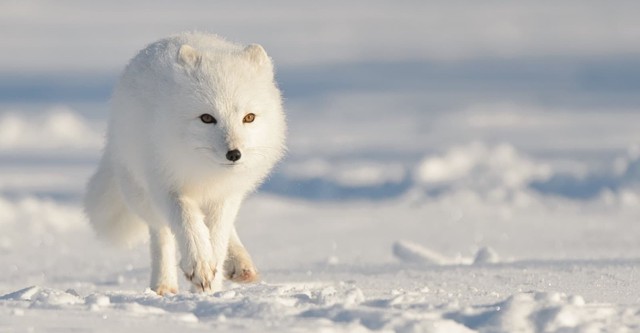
[(208, 119), (249, 118)]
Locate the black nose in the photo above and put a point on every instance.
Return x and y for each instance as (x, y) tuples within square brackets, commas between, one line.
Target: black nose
[(233, 155)]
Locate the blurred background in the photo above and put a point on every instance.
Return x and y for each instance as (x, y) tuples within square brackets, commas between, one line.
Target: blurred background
[(516, 106), (369, 82)]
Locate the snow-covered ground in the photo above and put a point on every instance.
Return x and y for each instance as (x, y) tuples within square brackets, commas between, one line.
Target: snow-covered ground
[(451, 168)]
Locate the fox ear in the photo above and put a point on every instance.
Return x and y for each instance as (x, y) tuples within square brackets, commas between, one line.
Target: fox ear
[(257, 55), (189, 56)]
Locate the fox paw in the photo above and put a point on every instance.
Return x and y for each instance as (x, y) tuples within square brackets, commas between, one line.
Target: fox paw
[(200, 273), (246, 275), (240, 271), (164, 290)]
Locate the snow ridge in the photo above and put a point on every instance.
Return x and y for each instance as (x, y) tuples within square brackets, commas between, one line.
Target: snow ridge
[(339, 307)]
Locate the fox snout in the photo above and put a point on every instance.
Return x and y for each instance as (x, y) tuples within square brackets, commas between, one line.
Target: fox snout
[(234, 155)]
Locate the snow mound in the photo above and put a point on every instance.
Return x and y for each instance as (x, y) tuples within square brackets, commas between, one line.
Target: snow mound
[(617, 185), (490, 173), (40, 215), (23, 294), (58, 128), (410, 252), (499, 173), (44, 297), (543, 312), (413, 253), (486, 255), (480, 168)]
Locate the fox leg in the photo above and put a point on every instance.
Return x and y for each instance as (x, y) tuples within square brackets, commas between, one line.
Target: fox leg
[(239, 267), (197, 259), (233, 258), (163, 261)]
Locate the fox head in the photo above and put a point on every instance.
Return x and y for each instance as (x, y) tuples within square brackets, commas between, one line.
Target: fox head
[(227, 110)]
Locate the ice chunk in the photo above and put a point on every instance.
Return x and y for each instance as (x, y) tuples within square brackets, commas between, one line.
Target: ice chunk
[(414, 253), (23, 294), (486, 255)]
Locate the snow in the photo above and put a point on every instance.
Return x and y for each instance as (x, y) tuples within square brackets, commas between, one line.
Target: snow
[(450, 169), (460, 260), (56, 128), (499, 166), (340, 306), (413, 253)]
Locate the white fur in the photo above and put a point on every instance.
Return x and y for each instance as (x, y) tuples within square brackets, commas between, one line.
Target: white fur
[(164, 168)]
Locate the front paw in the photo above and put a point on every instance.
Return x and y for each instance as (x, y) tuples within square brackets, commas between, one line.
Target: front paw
[(241, 271), (245, 275), (165, 289), (201, 273)]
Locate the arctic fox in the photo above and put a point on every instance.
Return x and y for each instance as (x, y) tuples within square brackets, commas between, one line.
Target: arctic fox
[(196, 124)]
